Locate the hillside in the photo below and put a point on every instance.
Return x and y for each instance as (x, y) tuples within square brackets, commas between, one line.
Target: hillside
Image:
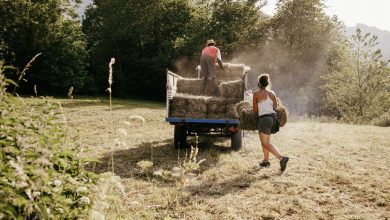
[(336, 171), (383, 37)]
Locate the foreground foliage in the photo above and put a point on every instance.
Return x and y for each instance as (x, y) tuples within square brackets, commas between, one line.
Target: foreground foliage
[(41, 176)]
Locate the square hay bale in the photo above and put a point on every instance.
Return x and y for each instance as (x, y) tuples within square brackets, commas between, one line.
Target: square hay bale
[(233, 71), (215, 105), (231, 111), (231, 107), (216, 108), (193, 86), (246, 117), (197, 107), (216, 116), (178, 106), (232, 89)]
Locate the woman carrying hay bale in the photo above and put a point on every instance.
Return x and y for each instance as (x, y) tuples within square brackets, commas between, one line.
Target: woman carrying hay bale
[(264, 103)]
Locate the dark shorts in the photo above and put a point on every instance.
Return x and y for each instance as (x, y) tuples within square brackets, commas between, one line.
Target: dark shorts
[(265, 124), (207, 66)]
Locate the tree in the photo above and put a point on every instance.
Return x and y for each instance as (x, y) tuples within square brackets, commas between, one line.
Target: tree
[(359, 87), (302, 38), (142, 36), (47, 27)]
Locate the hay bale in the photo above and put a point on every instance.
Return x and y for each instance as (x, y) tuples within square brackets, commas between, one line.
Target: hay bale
[(215, 105), (193, 86), (178, 106), (246, 117), (233, 71), (197, 107), (231, 107), (232, 89), (231, 111), (216, 108), (188, 106), (216, 116), (281, 112)]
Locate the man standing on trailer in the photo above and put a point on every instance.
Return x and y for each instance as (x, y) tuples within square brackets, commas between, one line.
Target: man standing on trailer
[(210, 56)]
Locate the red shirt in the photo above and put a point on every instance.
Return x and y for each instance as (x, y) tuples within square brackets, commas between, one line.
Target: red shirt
[(211, 51)]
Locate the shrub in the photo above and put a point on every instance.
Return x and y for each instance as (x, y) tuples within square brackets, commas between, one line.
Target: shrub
[(41, 176), (383, 120)]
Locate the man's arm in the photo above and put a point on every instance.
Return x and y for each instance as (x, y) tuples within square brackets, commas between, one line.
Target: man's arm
[(219, 59), (220, 64)]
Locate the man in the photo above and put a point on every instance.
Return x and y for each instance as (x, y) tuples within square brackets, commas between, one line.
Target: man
[(210, 56)]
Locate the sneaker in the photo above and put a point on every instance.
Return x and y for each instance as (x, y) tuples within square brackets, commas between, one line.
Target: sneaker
[(283, 163), (265, 163)]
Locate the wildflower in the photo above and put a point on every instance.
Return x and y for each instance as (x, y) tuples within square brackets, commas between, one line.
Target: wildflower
[(57, 183), (82, 189), (176, 169), (158, 173), (85, 200), (145, 164), (36, 194)]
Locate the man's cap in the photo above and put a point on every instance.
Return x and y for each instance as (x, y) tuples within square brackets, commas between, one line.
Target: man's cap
[(211, 41)]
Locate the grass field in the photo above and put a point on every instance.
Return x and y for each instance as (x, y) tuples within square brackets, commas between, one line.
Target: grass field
[(336, 171)]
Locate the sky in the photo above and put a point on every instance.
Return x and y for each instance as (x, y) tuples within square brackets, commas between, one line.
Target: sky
[(369, 12)]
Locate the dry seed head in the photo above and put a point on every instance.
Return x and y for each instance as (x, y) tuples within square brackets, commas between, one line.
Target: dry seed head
[(70, 92), (112, 62), (35, 90)]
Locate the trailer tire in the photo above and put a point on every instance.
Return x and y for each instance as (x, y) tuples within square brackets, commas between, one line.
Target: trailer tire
[(236, 142), (180, 136)]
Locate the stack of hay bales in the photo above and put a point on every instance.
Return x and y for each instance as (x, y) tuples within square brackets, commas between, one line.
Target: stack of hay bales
[(219, 99)]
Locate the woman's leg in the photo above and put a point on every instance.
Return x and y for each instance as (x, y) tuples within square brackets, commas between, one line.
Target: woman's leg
[(265, 143), (265, 151)]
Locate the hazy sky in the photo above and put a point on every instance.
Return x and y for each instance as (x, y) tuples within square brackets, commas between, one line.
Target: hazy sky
[(370, 12)]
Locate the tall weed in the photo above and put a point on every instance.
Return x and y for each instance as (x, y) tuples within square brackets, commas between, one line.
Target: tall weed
[(41, 176)]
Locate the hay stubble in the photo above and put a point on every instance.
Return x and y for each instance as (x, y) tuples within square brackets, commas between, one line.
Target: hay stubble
[(336, 171)]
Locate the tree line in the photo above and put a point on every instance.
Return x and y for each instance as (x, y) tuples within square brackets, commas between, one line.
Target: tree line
[(314, 67)]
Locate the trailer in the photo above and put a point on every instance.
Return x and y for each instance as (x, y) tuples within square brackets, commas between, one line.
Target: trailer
[(184, 127)]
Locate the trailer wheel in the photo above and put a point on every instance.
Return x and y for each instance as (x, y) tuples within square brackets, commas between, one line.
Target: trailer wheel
[(236, 142), (180, 136)]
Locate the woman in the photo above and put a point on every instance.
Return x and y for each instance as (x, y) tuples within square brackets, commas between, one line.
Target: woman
[(264, 103)]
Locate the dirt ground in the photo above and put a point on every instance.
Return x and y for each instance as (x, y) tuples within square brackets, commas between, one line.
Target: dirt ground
[(336, 171)]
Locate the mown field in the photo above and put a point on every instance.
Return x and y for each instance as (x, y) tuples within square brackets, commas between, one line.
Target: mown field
[(336, 171)]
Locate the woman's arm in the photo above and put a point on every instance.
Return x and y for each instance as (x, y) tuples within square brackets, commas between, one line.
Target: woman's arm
[(255, 108)]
